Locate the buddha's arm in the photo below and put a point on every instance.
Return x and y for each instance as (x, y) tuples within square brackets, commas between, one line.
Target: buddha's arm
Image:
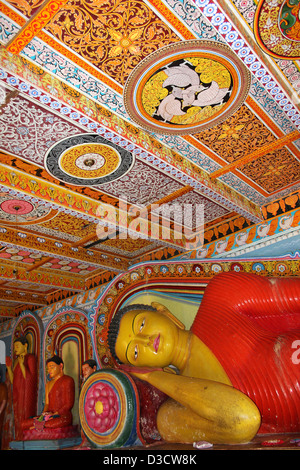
[(205, 397), (46, 406), (223, 410), (10, 374)]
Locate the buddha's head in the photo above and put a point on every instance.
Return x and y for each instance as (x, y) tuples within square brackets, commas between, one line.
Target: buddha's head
[(144, 335), (21, 346), (54, 367)]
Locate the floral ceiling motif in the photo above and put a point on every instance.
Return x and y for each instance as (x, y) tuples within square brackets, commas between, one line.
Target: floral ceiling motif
[(112, 35), (244, 133)]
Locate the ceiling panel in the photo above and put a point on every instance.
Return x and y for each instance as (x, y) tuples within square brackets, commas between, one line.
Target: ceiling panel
[(121, 119)]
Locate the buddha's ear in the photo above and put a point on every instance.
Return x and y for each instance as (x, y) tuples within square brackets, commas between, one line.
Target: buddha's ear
[(162, 309)]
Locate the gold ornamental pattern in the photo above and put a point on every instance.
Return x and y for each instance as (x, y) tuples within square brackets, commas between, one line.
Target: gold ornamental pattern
[(90, 160), (277, 28), (112, 35), (243, 133)]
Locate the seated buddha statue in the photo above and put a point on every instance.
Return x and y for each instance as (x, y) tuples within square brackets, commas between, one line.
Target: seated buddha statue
[(59, 398), (236, 368)]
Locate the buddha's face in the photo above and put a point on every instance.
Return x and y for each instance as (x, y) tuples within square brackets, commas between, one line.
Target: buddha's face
[(20, 349), (146, 338), (53, 369)]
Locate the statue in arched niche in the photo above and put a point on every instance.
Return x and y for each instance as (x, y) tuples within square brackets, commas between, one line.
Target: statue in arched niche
[(23, 376), (238, 372), (59, 399)]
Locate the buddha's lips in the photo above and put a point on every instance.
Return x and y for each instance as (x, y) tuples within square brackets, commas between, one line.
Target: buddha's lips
[(156, 343)]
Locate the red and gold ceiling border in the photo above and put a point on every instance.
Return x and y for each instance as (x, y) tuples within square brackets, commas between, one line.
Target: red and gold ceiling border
[(29, 298), (31, 28), (103, 214), (60, 49), (45, 245), (12, 14), (278, 144), (44, 277)]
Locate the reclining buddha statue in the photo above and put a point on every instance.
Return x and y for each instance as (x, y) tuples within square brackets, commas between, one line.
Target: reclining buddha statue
[(238, 371)]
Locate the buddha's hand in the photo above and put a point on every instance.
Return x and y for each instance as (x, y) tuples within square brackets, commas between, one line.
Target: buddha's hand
[(21, 359), (140, 372)]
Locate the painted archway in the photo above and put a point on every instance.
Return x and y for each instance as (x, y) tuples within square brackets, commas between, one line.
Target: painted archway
[(67, 335)]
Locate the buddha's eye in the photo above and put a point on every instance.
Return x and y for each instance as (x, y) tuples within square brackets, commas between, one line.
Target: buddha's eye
[(142, 324), (135, 352)]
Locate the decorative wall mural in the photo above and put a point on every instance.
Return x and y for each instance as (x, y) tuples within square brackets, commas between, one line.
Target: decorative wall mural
[(87, 159), (186, 87), (277, 28)]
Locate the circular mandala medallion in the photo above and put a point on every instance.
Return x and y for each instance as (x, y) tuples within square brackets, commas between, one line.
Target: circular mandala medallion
[(108, 409), (16, 207), (92, 161), (87, 159), (187, 87), (20, 212)]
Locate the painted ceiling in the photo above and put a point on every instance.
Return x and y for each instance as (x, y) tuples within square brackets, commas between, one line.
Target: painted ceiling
[(127, 126)]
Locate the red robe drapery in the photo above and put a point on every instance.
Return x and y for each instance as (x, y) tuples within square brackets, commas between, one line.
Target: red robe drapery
[(252, 325), (24, 393), (61, 401)]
